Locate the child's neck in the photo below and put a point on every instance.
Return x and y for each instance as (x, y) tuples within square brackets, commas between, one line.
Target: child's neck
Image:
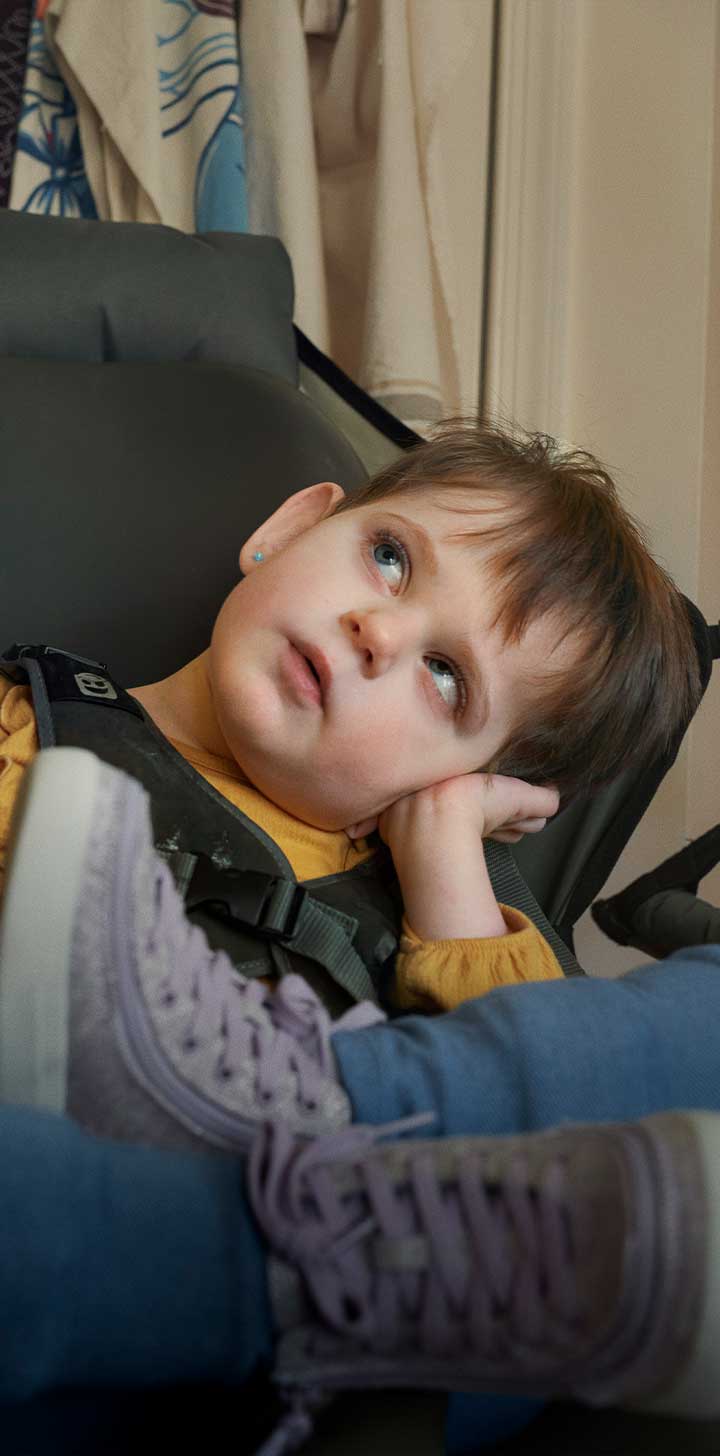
[(181, 706)]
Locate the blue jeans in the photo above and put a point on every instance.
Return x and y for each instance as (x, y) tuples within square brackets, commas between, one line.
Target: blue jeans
[(123, 1265), (528, 1057)]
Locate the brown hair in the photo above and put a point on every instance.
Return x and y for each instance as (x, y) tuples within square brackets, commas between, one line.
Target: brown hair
[(566, 545)]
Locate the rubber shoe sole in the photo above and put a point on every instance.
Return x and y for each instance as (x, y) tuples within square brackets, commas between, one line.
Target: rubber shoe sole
[(51, 827)]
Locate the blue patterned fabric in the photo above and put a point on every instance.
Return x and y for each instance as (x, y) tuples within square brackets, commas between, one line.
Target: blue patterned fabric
[(191, 74), (48, 136), (198, 98)]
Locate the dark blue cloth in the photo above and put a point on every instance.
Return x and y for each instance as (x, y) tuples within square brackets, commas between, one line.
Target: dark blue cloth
[(122, 1266)]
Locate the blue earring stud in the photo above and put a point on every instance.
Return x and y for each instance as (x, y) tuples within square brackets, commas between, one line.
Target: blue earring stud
[(258, 556)]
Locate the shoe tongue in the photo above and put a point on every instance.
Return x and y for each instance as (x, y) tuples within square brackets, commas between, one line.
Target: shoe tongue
[(600, 1225), (289, 1301), (360, 1016)]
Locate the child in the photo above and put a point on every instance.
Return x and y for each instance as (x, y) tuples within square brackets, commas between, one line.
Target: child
[(584, 656), (484, 604)]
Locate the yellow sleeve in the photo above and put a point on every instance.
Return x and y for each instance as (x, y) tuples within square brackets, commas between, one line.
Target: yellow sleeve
[(436, 975), (18, 747)]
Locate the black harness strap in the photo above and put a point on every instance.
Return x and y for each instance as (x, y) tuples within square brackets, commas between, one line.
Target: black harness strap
[(212, 849)]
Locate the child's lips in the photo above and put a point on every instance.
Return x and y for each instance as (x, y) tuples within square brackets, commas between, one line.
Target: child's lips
[(319, 666), (306, 672)]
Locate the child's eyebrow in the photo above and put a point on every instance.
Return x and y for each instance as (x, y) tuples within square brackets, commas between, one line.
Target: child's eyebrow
[(479, 706), (422, 541)]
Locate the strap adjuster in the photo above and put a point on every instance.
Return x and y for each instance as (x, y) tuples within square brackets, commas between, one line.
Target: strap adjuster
[(281, 909), (18, 650)]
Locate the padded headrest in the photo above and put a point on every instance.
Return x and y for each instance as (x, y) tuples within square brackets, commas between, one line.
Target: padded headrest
[(92, 291), (127, 491)]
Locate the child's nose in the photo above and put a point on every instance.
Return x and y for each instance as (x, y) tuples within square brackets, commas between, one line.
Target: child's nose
[(380, 635)]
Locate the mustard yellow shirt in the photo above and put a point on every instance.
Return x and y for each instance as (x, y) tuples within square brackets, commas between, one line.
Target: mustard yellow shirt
[(432, 976)]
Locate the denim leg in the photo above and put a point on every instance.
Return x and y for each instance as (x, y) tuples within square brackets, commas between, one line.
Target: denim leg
[(530, 1056), (123, 1266)]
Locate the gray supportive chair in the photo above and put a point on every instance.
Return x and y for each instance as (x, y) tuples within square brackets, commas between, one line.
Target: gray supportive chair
[(150, 416)]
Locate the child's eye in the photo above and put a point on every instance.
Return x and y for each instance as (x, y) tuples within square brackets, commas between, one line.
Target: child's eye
[(447, 677), (391, 558), (448, 682)]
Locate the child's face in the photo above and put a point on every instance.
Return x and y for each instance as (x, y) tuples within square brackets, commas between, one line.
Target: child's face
[(419, 687)]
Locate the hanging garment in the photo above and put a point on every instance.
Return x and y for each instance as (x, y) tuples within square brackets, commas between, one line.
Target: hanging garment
[(48, 173), (367, 155), (156, 87), (283, 192), (15, 18)]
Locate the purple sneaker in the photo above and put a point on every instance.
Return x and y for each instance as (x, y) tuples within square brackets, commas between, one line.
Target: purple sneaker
[(580, 1263), (112, 1005)]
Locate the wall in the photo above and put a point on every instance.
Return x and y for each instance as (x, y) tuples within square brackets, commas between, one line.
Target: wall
[(704, 759), (604, 307)]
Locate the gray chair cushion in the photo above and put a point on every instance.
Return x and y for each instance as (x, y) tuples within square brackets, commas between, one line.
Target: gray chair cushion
[(73, 289), (127, 491)]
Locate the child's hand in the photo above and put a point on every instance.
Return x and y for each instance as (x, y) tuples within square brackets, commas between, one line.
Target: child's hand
[(435, 838), (499, 807), (510, 807)]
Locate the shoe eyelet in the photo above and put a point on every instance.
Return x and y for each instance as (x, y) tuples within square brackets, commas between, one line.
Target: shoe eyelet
[(189, 1044), (309, 1106), (265, 1096)]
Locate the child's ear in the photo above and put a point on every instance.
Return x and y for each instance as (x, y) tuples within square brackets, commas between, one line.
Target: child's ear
[(296, 514)]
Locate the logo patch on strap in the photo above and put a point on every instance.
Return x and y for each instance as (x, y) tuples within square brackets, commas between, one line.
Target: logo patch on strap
[(92, 685)]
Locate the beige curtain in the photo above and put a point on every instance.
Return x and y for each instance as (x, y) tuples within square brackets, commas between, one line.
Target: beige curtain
[(367, 133)]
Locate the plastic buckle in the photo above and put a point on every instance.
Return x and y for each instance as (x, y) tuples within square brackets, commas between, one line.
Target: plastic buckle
[(277, 917), (267, 904)]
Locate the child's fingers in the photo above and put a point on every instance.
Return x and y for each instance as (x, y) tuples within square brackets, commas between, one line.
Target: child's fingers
[(539, 800), (362, 828), (511, 833), (504, 798)]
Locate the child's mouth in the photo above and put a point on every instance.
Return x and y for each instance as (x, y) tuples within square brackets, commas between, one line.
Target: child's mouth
[(301, 675), (317, 665)]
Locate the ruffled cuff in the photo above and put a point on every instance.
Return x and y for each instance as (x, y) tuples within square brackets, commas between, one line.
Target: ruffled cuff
[(437, 975)]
